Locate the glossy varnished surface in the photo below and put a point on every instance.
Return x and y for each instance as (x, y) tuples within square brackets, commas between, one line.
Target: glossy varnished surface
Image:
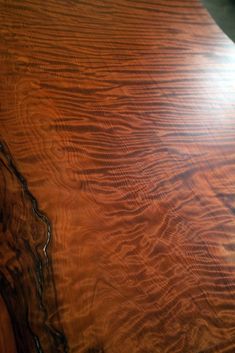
[(117, 178)]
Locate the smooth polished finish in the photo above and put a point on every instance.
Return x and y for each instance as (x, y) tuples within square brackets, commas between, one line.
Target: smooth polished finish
[(117, 178)]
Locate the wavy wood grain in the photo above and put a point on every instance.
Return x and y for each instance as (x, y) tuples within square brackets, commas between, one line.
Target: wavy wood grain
[(118, 122)]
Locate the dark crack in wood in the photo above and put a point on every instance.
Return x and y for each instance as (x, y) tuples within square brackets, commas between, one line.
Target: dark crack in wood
[(26, 274)]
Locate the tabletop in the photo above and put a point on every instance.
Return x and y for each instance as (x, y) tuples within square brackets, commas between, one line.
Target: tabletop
[(117, 178)]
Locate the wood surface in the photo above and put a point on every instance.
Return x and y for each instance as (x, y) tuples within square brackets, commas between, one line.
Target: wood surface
[(117, 178)]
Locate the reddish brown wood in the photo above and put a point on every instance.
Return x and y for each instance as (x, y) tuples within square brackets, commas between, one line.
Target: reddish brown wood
[(118, 136)]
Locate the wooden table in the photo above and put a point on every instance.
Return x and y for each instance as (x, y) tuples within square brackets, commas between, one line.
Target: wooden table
[(117, 178)]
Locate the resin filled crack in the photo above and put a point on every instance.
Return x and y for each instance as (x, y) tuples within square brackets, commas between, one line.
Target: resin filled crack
[(26, 274)]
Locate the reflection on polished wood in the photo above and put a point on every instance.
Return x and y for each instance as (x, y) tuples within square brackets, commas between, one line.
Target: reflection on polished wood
[(117, 178)]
